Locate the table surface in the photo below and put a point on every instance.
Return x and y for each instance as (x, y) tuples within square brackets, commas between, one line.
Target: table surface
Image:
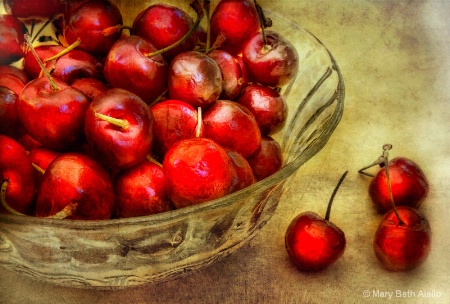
[(394, 56)]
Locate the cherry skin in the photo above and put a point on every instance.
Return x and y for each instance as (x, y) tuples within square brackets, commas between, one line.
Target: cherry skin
[(274, 64), (402, 247), (267, 105), (408, 182), (267, 159), (90, 87), (314, 243), (233, 126), (119, 146), (11, 39), (194, 78), (197, 170), (16, 169), (33, 9), (128, 66), (10, 123), (140, 191), (12, 82), (242, 172), (53, 117), (163, 25), (74, 178), (12, 70), (236, 20), (174, 120), (232, 75), (98, 23), (76, 65)]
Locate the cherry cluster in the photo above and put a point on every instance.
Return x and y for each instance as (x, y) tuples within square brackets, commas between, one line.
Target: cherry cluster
[(402, 241), (101, 120)]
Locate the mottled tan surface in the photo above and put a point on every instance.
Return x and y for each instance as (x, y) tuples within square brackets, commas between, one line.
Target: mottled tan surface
[(395, 59)]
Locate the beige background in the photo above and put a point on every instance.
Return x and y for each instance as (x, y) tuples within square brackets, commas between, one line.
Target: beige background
[(394, 56)]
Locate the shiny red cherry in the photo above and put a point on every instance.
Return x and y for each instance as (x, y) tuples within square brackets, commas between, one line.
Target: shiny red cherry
[(90, 87), (10, 123), (236, 20), (405, 245), (140, 191), (11, 39), (408, 183), (197, 170), (41, 158), (312, 242), (33, 9), (267, 159), (32, 67), (163, 25), (75, 179), (242, 172)]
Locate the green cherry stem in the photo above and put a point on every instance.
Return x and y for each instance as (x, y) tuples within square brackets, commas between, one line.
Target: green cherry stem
[(122, 123), (330, 202), (65, 51)]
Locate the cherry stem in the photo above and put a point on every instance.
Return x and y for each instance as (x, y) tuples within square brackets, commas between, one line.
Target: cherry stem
[(264, 23), (199, 11), (207, 8), (379, 161), (38, 169), (65, 51), (388, 181), (151, 159), (39, 61), (122, 123), (199, 127), (330, 202)]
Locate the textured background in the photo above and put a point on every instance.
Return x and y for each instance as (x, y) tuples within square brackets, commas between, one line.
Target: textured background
[(394, 56)]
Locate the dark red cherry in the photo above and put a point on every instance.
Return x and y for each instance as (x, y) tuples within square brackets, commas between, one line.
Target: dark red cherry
[(31, 66), (90, 87), (242, 172), (42, 9), (11, 39), (267, 159)]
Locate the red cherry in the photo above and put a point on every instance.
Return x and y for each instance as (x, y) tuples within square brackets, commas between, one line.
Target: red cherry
[(41, 158), (402, 246), (128, 66), (75, 179), (164, 25), (140, 191), (194, 78), (30, 64), (33, 9), (11, 39), (12, 82), (236, 20), (242, 172), (225, 122), (119, 128), (267, 105), (97, 23), (272, 64), (90, 87), (197, 170), (10, 124), (233, 77), (174, 120), (267, 159), (19, 73), (16, 176), (408, 182), (54, 117), (312, 242)]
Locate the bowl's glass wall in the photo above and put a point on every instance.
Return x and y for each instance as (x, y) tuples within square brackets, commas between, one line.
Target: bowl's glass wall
[(129, 252)]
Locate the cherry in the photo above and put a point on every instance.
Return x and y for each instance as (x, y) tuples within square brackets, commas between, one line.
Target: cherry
[(402, 245), (10, 124), (90, 87), (97, 23), (272, 61), (164, 25), (314, 243), (197, 170), (119, 128), (12, 70), (242, 172), (224, 122), (41, 158), (408, 183), (140, 190), (232, 75), (267, 159), (12, 82), (16, 176), (130, 65), (267, 105), (33, 9), (194, 78), (236, 20), (11, 39), (31, 65), (73, 179), (174, 120)]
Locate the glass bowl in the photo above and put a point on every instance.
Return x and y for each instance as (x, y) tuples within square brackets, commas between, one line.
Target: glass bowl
[(117, 253)]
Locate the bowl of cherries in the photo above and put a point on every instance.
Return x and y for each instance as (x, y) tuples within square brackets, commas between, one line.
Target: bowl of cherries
[(142, 140)]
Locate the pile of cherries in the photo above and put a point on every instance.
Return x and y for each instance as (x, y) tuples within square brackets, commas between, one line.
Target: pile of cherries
[(101, 120), (402, 241)]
